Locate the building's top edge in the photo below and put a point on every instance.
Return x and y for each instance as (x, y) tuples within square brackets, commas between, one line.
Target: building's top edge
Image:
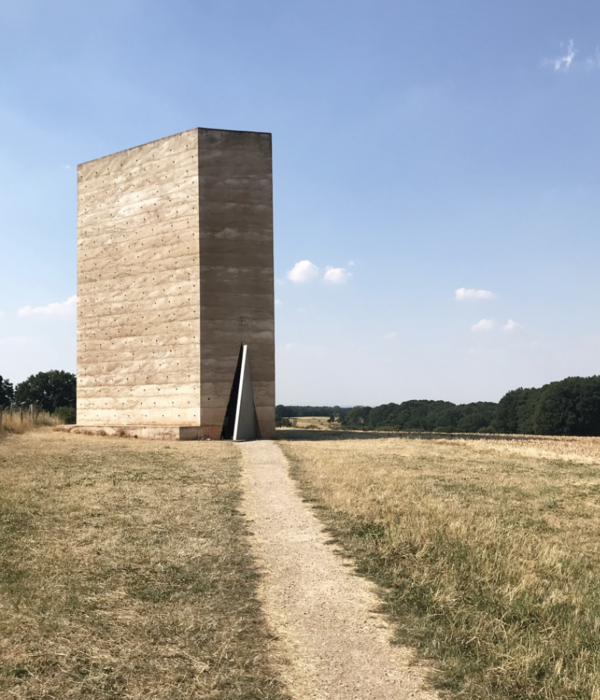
[(187, 131)]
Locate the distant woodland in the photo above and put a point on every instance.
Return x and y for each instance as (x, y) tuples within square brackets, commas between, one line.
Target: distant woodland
[(567, 407)]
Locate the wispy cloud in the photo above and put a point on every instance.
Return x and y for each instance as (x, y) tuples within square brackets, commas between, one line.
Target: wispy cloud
[(569, 59), (303, 271), (564, 62), (336, 275), (390, 336), (485, 324), (463, 294), (278, 302), (56, 308)]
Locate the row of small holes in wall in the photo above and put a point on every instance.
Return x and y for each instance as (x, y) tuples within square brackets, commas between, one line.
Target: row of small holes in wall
[(120, 255), (93, 232), (176, 297), (134, 183), (114, 322), (147, 147), (128, 341), (119, 306), (135, 335), (141, 206), (125, 236), (141, 404), (133, 179), (147, 378), (141, 280), (172, 330), (111, 382), (124, 261), (98, 416)]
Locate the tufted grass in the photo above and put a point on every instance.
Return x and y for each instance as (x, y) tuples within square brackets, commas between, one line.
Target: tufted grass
[(125, 572), (488, 553)]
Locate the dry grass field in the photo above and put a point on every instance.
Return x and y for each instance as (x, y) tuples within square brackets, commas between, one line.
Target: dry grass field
[(21, 421), (488, 552), (125, 572), (311, 423)]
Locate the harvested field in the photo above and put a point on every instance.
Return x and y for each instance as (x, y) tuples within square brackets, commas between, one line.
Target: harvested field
[(311, 423), (125, 572), (489, 552)]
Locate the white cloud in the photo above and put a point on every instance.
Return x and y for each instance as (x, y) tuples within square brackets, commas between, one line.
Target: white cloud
[(563, 63), (511, 326), (278, 302), (303, 271), (463, 294), (568, 60), (485, 324), (56, 308), (390, 336), (336, 275), (351, 263)]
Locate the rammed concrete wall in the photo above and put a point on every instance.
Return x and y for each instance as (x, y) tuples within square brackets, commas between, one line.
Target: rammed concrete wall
[(175, 272)]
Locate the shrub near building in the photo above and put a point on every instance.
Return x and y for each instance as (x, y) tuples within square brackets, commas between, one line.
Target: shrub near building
[(54, 392)]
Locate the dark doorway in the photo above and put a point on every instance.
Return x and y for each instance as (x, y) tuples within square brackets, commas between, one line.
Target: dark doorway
[(229, 421)]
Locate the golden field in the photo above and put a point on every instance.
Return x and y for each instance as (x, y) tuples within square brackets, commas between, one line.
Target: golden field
[(487, 551), (125, 572)]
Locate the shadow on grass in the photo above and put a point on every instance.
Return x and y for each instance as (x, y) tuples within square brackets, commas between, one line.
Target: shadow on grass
[(320, 435)]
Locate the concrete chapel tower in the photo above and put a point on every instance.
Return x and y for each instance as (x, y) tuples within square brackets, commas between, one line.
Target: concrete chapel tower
[(175, 275)]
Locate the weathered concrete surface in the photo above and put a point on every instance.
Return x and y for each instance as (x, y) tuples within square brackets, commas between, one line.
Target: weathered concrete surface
[(175, 272), (148, 432)]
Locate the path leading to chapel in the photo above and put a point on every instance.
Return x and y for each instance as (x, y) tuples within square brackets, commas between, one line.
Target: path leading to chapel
[(331, 643)]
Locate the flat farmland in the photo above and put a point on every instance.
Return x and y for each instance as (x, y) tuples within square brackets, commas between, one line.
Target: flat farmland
[(311, 422), (125, 572), (487, 552)]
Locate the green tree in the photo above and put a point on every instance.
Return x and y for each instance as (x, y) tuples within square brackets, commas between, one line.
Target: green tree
[(516, 410), (7, 393), (357, 417), (47, 390), (569, 407)]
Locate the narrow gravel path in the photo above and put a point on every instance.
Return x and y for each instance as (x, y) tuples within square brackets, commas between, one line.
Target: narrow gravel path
[(331, 643)]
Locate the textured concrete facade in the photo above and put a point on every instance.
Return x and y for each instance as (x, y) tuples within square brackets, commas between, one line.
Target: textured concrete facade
[(175, 273)]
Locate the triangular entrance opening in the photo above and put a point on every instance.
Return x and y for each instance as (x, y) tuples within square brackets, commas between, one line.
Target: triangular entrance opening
[(229, 421), (240, 422)]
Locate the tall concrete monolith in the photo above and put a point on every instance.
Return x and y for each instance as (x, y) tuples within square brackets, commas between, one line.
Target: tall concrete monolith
[(175, 275)]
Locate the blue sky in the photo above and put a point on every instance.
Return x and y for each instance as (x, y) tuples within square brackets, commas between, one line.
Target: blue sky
[(420, 148)]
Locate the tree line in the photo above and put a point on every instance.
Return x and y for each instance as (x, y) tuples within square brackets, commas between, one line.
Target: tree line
[(567, 407), (54, 392)]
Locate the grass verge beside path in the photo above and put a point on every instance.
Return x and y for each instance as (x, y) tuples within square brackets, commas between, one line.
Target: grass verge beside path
[(489, 553), (125, 572)]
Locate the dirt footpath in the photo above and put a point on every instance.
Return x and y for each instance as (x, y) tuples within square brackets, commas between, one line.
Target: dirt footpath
[(331, 644)]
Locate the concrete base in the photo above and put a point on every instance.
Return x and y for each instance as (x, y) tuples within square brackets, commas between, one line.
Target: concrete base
[(146, 432)]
